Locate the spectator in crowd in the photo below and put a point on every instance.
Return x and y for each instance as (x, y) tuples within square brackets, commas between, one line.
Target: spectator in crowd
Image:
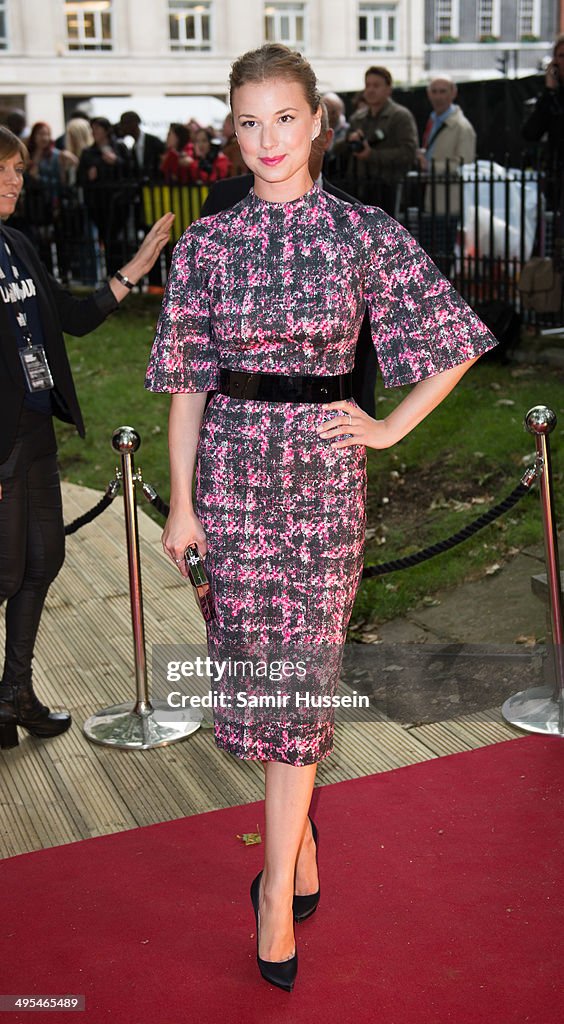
[(76, 114), (448, 134), (107, 159), (35, 308), (178, 151), (381, 142), (230, 147), (208, 163), (47, 164), (548, 119), (193, 127), (78, 251), (548, 115), (102, 168), (78, 136), (44, 181), (147, 149), (448, 140), (15, 120), (336, 114)]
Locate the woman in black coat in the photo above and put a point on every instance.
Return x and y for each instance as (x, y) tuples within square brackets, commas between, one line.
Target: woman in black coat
[(105, 171), (35, 385)]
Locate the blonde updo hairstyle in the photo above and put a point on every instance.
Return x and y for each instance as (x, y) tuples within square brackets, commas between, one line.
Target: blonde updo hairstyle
[(273, 60)]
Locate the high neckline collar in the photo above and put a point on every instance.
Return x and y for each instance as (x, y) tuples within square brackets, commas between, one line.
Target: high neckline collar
[(304, 200)]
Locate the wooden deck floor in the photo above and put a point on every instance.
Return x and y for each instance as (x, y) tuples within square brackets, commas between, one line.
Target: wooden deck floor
[(68, 788)]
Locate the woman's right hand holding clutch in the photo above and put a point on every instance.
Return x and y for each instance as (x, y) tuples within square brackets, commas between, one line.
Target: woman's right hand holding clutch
[(182, 528)]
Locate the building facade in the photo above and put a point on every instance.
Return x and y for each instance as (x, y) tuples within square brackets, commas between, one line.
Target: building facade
[(55, 54), (66, 50), (489, 37)]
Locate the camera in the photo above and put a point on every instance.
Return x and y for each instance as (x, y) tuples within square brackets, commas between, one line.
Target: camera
[(357, 145)]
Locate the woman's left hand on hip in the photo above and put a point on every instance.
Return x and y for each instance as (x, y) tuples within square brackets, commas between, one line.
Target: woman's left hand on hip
[(357, 424)]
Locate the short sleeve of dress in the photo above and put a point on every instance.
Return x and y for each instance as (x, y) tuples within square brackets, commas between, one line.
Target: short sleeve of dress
[(420, 324), (183, 357)]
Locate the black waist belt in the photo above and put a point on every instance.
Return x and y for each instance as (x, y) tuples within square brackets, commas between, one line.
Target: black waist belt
[(276, 387)]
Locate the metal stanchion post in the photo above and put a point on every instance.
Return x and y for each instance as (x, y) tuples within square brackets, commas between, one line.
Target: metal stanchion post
[(138, 724), (541, 708)]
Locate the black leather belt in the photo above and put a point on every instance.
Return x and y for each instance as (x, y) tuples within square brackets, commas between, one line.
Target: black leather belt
[(277, 387)]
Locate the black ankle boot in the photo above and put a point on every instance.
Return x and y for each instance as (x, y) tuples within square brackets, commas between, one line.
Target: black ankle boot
[(20, 706), (8, 724)]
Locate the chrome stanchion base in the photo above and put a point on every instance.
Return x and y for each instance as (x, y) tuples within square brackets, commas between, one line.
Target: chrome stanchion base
[(122, 726), (535, 710)]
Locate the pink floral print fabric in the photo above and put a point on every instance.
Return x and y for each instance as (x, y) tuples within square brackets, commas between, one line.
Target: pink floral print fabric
[(282, 288)]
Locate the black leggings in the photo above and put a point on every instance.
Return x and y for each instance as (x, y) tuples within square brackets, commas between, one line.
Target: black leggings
[(32, 538)]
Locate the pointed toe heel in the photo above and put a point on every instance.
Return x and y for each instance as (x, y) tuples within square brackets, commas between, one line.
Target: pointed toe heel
[(281, 973), (304, 906)]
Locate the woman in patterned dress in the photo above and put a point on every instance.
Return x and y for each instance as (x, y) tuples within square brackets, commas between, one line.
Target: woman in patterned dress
[(274, 289)]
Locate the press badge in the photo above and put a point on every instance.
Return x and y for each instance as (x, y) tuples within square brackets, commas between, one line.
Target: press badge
[(36, 368)]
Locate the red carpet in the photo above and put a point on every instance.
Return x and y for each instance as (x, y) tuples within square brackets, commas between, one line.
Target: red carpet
[(442, 901)]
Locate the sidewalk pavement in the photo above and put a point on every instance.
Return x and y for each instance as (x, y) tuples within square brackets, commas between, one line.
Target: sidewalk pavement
[(540, 349), (473, 645), (476, 645)]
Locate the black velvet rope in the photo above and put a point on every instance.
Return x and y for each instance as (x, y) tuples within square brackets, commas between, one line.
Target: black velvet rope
[(155, 500), (96, 509), (371, 571)]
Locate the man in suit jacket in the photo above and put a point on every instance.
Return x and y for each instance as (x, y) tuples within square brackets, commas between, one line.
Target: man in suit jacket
[(230, 191), (147, 149), (448, 139)]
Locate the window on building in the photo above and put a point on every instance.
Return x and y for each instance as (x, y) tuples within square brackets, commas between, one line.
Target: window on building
[(488, 19), (528, 23), (377, 26), (89, 24), (446, 19), (285, 23), (189, 25), (3, 26)]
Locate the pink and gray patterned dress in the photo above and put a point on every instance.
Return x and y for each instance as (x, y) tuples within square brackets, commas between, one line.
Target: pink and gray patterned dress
[(282, 288)]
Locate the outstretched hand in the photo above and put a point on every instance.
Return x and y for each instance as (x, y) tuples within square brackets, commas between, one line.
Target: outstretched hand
[(145, 257), (153, 244)]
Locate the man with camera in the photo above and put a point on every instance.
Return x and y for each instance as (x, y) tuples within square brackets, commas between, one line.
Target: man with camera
[(548, 115), (548, 119), (381, 143)]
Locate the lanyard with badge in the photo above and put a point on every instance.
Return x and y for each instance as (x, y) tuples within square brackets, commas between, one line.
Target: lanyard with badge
[(33, 357)]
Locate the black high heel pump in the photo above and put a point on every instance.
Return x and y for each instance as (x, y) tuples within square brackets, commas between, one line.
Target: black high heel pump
[(278, 972), (304, 906)]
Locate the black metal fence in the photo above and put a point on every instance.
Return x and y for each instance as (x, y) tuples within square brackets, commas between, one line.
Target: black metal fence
[(480, 223)]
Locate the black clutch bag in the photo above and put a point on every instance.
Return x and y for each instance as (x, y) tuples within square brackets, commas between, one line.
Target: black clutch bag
[(199, 580)]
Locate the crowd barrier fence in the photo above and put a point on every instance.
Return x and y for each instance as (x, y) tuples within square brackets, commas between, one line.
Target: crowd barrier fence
[(479, 222)]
